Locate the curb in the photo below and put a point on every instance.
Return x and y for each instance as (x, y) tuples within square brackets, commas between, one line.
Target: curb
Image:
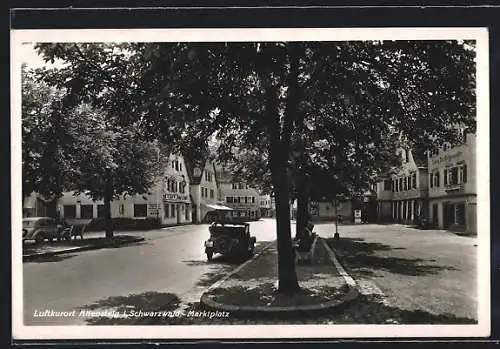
[(32, 256), (351, 294)]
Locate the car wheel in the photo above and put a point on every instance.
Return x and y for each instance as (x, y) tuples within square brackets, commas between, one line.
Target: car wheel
[(39, 239)]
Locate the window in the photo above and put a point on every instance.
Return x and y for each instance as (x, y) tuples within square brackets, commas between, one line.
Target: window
[(253, 199), (431, 180), (401, 184), (211, 193), (235, 186), (69, 211), (176, 165), (387, 184), (241, 186), (246, 200), (87, 211), (180, 166), (100, 211), (229, 199), (239, 199), (445, 177), (407, 151), (463, 173), (454, 175), (437, 180), (140, 210), (173, 164), (167, 210)]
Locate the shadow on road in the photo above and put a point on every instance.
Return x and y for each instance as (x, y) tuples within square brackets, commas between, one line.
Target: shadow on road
[(51, 259), (150, 304), (369, 310), (360, 257)]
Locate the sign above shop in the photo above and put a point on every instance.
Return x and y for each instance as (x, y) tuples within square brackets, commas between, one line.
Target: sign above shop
[(446, 158), (174, 196)]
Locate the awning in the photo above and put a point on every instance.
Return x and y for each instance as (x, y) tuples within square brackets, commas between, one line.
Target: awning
[(218, 207)]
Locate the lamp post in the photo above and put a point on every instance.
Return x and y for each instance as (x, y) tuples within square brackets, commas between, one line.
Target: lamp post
[(338, 218)]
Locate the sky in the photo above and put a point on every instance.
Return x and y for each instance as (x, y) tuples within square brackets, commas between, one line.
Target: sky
[(28, 55)]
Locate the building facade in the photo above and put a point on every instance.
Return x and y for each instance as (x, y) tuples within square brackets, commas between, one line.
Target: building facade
[(204, 189), (167, 201), (267, 206), (404, 197), (241, 198), (452, 187)]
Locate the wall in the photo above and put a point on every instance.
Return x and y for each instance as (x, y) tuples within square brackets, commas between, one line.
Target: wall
[(200, 192), (451, 194), (249, 210)]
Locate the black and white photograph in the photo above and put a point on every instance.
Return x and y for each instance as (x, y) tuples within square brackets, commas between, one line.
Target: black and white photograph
[(250, 183)]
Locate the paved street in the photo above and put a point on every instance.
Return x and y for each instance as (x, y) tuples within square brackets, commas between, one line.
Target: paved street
[(427, 270), (430, 271), (170, 262)]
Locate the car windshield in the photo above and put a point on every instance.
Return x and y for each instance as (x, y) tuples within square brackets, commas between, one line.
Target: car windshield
[(28, 223)]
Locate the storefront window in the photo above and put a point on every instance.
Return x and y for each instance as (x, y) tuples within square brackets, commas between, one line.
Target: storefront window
[(69, 211), (87, 211), (460, 214), (140, 210)]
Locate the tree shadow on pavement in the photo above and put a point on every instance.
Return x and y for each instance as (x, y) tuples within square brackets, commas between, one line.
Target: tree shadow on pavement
[(220, 265), (150, 308), (51, 259), (360, 258), (369, 310)]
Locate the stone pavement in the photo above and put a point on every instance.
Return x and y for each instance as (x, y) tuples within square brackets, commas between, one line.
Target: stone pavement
[(251, 290)]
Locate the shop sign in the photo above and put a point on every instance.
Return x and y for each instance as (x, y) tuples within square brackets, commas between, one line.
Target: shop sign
[(153, 209), (174, 196), (446, 158)]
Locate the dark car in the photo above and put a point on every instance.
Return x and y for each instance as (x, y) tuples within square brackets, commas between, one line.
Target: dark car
[(42, 228), (230, 238)]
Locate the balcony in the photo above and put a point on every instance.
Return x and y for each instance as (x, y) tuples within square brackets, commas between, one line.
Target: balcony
[(454, 188)]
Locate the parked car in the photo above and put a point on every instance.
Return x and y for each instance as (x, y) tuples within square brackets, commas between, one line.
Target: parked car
[(41, 228), (230, 238)]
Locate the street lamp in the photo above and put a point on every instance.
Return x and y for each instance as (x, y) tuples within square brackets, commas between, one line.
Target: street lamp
[(338, 218)]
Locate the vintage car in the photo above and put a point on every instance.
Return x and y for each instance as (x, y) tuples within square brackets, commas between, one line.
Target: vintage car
[(41, 228), (230, 238)]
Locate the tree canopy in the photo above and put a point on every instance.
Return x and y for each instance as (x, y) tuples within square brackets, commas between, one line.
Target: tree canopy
[(324, 109)]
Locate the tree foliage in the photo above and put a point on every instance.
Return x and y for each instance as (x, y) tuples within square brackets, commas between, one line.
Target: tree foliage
[(317, 112)]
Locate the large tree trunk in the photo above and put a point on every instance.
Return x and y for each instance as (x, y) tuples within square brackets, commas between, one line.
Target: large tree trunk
[(287, 277), (108, 196)]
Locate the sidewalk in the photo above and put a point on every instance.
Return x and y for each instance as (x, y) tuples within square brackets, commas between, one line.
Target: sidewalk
[(251, 289), (32, 251)]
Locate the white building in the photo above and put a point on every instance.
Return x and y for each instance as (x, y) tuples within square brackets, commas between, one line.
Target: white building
[(403, 196), (267, 206), (452, 187), (244, 200), (168, 200), (204, 189)]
